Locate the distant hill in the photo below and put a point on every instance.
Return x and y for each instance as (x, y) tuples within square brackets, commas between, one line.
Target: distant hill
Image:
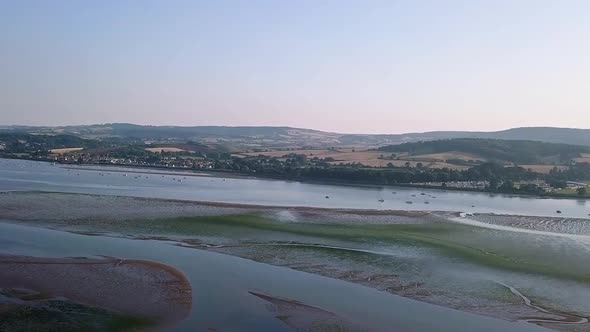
[(153, 132), (22, 142), (542, 134), (241, 138), (229, 137), (515, 151)]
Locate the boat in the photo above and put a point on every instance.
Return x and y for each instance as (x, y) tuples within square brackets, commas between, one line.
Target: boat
[(327, 196), (381, 200), (558, 211), (409, 202)]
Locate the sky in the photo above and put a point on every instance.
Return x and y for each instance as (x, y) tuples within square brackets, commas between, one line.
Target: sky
[(345, 66)]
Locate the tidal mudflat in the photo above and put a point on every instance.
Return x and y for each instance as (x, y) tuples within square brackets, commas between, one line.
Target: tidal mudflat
[(469, 263), (90, 294)]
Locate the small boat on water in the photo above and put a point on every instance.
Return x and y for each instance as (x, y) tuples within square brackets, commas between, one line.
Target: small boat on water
[(427, 202), (327, 196), (409, 202), (558, 211), (381, 200)]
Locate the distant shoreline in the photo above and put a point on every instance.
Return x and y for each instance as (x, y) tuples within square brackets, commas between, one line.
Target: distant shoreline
[(231, 174)]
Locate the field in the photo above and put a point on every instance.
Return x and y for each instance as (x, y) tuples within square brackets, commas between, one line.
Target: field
[(320, 153), (584, 158), (65, 150), (164, 149), (381, 159), (185, 147), (366, 157), (444, 156), (543, 169)]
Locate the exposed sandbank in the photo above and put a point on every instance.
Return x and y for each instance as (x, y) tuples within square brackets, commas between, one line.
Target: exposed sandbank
[(145, 289)]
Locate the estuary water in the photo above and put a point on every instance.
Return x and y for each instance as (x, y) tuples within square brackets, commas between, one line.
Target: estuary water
[(20, 175)]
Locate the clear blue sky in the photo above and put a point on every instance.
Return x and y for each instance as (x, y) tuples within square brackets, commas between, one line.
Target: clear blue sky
[(347, 66)]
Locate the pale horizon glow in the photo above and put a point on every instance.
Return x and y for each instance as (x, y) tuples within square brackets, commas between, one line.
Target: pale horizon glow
[(340, 66)]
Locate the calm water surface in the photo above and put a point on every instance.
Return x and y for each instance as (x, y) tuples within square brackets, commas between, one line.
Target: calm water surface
[(28, 175)]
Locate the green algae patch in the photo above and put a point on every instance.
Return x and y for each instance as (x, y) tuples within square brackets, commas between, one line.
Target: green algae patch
[(436, 236)]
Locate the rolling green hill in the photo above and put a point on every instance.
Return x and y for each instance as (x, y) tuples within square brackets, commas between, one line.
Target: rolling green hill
[(264, 136), (515, 151), (26, 143)]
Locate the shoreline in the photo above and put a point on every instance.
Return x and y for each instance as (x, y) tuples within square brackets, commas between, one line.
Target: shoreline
[(246, 176), (216, 173)]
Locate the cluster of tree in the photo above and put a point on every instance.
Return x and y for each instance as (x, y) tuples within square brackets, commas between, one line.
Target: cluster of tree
[(23, 143), (263, 165), (499, 177), (41, 144), (300, 167), (520, 152), (574, 172)]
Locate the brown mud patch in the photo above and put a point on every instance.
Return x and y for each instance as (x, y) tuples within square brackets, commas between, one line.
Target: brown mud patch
[(136, 288)]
